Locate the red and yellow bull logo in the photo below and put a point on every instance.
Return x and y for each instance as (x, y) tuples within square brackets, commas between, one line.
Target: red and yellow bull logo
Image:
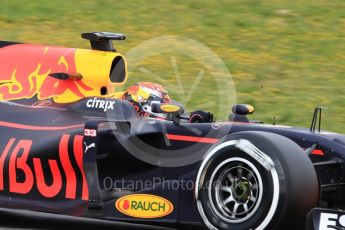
[(25, 69)]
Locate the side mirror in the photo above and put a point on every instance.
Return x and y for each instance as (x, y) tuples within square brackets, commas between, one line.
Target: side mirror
[(240, 112), (242, 109), (168, 108)]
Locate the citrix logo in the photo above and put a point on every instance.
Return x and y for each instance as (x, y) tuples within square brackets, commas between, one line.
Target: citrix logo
[(100, 104), (328, 221)]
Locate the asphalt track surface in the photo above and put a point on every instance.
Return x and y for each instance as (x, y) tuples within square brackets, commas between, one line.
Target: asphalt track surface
[(20, 219)]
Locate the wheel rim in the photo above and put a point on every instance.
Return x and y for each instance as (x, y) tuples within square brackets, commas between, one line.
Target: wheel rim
[(236, 190)]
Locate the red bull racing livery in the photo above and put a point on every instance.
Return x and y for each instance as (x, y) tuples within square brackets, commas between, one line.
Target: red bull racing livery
[(72, 148)]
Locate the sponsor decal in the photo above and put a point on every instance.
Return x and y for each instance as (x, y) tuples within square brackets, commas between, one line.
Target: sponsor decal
[(329, 221), (87, 147), (217, 125), (144, 206), (90, 132), (100, 104), (26, 174), (150, 122), (170, 108)]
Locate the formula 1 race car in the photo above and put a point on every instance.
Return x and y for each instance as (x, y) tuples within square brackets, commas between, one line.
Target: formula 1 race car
[(71, 149)]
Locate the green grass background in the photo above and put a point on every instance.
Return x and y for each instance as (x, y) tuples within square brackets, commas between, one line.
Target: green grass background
[(285, 56)]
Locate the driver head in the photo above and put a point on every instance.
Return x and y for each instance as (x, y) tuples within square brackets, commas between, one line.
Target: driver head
[(143, 94)]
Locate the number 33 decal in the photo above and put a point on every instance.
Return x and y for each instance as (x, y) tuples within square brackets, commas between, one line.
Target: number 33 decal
[(90, 132)]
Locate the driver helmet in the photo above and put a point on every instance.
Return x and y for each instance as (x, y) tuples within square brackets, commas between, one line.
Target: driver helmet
[(143, 94)]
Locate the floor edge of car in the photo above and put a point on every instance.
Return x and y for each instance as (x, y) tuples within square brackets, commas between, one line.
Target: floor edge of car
[(31, 219)]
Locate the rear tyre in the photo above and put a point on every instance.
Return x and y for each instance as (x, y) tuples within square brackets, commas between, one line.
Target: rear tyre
[(256, 180)]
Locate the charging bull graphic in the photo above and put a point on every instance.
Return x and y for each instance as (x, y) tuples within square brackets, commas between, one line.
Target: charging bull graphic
[(25, 71), (28, 69)]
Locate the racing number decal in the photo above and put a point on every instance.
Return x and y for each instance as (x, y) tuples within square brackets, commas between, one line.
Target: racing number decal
[(90, 132), (26, 174)]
